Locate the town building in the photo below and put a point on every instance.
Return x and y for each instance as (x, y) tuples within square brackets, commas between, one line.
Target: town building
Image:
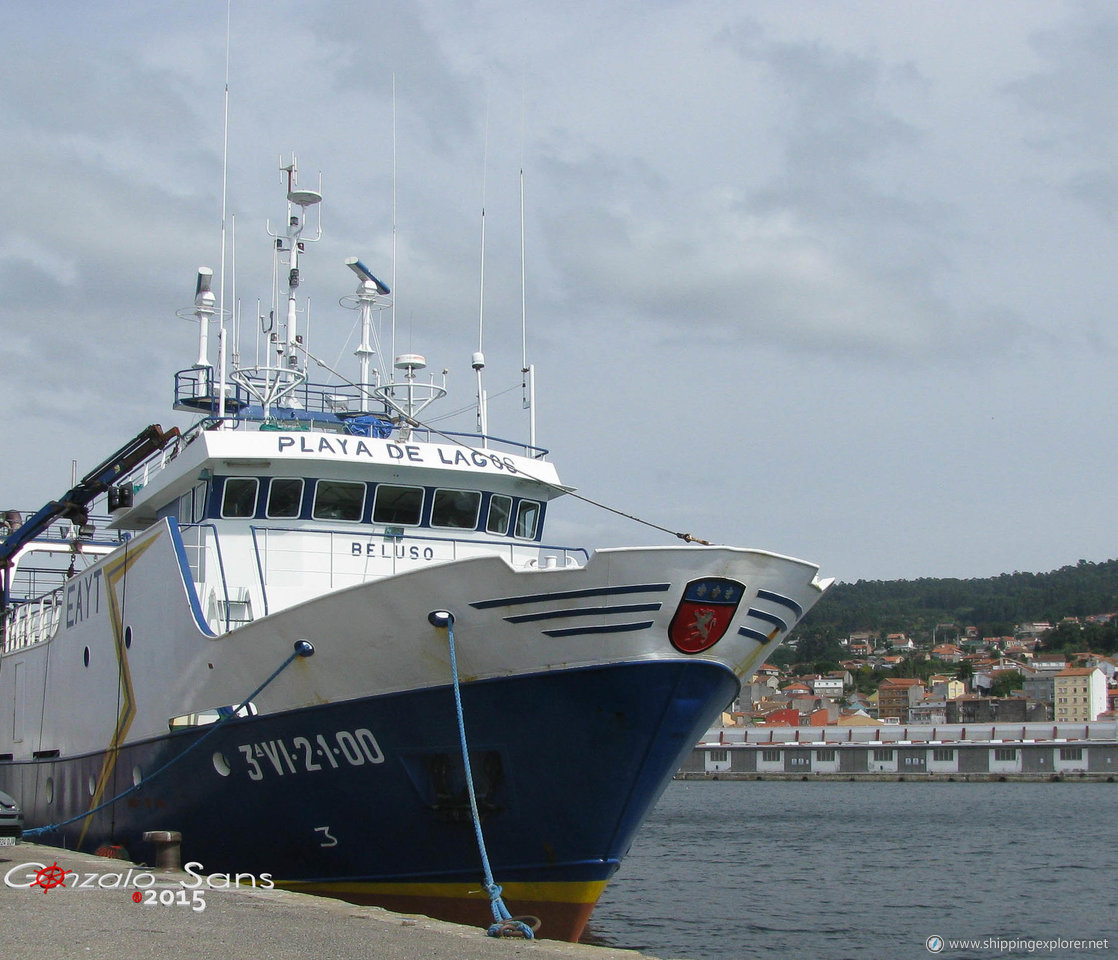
[(947, 652), (829, 686), (896, 695), (1049, 661), (1079, 694), (947, 688), (931, 709)]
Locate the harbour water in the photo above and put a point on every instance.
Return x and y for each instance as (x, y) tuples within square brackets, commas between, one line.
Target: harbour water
[(737, 870)]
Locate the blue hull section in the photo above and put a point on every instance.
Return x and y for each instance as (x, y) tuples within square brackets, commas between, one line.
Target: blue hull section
[(566, 766)]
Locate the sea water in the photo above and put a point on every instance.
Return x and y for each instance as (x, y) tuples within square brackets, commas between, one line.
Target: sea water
[(737, 870)]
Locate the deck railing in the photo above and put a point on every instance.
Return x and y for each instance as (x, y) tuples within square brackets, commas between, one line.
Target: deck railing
[(32, 621)]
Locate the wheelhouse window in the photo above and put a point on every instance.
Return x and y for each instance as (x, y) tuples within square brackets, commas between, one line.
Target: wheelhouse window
[(527, 519), (455, 508), (192, 504), (500, 512), (338, 500), (239, 497), (285, 497), (398, 505)]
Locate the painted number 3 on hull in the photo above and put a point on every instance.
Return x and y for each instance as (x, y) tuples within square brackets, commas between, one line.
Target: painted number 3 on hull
[(304, 755)]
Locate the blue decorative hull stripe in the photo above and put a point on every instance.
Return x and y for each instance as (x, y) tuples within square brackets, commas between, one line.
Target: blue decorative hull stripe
[(603, 628), (768, 618), (583, 612), (753, 634), (570, 595), (782, 600)]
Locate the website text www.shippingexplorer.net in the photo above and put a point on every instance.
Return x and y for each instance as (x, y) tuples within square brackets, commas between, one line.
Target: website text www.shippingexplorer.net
[(1058, 946)]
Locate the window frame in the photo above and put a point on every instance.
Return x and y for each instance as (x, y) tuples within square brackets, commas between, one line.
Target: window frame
[(504, 530), (520, 510), (318, 486), (476, 494), (400, 486), (225, 486), (299, 500)]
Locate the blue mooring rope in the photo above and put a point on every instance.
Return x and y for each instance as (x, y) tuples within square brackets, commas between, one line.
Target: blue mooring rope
[(504, 925), (303, 648)]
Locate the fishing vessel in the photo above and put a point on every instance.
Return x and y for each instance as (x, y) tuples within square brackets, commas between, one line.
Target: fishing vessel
[(289, 628)]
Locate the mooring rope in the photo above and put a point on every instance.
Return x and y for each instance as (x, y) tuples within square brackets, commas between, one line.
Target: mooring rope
[(685, 537), (421, 425), (505, 924), (303, 648)]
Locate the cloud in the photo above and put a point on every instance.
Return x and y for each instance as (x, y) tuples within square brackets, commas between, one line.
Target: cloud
[(1074, 87)]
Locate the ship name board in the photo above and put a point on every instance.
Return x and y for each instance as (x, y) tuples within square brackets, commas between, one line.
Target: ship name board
[(401, 452), (83, 598)]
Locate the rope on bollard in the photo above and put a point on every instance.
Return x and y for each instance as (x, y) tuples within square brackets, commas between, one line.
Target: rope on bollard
[(505, 924)]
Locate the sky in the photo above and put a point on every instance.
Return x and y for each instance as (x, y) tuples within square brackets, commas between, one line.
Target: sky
[(834, 280)]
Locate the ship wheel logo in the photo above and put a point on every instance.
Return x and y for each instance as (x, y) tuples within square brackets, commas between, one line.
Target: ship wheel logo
[(52, 876)]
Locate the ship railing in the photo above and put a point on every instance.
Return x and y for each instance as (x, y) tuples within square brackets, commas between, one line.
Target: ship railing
[(337, 408), (45, 563), (202, 547), (32, 621), (196, 389), (58, 531)]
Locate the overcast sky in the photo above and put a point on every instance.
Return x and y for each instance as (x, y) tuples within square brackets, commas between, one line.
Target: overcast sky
[(835, 280)]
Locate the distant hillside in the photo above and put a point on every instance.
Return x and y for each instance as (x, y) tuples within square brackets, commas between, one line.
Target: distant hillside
[(993, 605)]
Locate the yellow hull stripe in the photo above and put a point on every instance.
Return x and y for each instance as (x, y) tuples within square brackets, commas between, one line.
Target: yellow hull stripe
[(114, 574)]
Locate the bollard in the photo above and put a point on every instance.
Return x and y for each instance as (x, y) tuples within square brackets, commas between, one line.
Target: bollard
[(168, 855)]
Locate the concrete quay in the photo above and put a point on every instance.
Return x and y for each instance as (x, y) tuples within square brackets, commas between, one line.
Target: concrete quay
[(94, 914)]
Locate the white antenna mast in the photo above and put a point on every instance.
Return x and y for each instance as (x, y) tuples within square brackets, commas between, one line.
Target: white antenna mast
[(368, 288), (301, 198), (233, 284), (528, 371), (393, 314), (203, 313), (224, 185), (267, 383), (479, 357)]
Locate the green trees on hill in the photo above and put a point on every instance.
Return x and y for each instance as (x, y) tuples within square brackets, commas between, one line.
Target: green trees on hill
[(943, 607)]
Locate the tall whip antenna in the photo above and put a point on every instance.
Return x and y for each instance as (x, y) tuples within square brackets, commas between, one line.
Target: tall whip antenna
[(224, 190), (479, 357), (527, 371), (233, 285), (392, 359)]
